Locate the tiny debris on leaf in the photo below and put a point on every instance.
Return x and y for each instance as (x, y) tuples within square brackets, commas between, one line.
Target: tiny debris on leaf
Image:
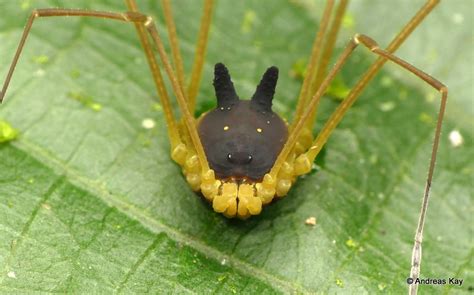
[(248, 21), (298, 69), (148, 123), (310, 221), (25, 4), (348, 21), (456, 138), (7, 132), (40, 59), (458, 18), (39, 73), (11, 274), (85, 100), (157, 107), (338, 89), (351, 243), (425, 118), (75, 73), (387, 106)]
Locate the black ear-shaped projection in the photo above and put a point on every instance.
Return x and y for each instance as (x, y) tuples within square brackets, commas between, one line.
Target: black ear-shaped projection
[(225, 92), (263, 96)]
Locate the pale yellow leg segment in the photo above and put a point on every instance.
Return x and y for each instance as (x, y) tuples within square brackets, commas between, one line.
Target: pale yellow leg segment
[(267, 188), (181, 153), (345, 105), (326, 54), (295, 134), (192, 160), (304, 141), (131, 16), (329, 46), (200, 54), (317, 70), (313, 63), (189, 120), (338, 114), (173, 36), (304, 162), (176, 143)]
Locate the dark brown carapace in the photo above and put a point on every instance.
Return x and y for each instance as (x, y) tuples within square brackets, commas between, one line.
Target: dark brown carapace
[(242, 138)]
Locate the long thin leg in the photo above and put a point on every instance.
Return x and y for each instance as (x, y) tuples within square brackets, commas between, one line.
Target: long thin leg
[(180, 96), (294, 135), (173, 132), (133, 17), (173, 36), (370, 73), (200, 54), (326, 54), (329, 44), (312, 63), (352, 96), (326, 131), (49, 13), (187, 158), (304, 161)]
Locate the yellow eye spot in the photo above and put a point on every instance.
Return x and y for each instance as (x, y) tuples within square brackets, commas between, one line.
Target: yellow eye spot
[(259, 130), (226, 128)]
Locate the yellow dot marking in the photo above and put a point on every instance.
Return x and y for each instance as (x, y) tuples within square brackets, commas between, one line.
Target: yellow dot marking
[(226, 128), (259, 130)]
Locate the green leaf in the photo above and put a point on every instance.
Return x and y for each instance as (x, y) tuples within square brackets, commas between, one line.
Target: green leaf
[(90, 200)]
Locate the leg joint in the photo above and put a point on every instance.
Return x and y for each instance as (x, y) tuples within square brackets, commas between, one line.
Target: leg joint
[(135, 17), (149, 22), (35, 13), (443, 89), (368, 42)]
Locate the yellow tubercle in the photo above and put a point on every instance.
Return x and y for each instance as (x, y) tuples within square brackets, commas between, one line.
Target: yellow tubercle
[(227, 200), (285, 178), (209, 185), (266, 189), (249, 204), (178, 154), (302, 164), (286, 171), (283, 187), (194, 180), (192, 170), (192, 163)]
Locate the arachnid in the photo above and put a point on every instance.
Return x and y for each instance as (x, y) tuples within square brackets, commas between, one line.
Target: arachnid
[(242, 155)]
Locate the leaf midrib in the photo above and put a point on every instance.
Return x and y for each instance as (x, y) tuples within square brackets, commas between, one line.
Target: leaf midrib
[(98, 188)]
